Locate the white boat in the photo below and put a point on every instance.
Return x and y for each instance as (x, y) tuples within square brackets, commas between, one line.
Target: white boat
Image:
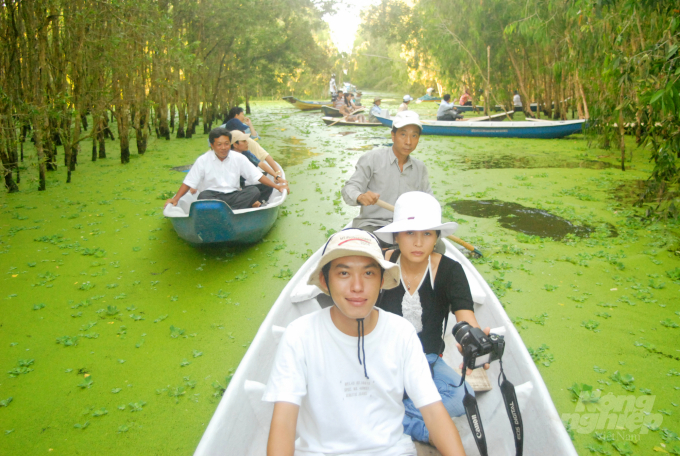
[(240, 425)]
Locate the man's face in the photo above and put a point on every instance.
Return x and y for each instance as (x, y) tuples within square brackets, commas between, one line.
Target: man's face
[(221, 147), (241, 116), (355, 284), (406, 139), (377, 103), (240, 146)]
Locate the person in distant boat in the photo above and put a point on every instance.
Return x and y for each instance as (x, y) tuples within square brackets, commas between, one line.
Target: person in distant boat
[(218, 173), (239, 143), (431, 286), (375, 110), (466, 99), (404, 106), (517, 102), (447, 110), (357, 99), (329, 399), (258, 151), (386, 173), (332, 87), (339, 101), (348, 112), (237, 120)]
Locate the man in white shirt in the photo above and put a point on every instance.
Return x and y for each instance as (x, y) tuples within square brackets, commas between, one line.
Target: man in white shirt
[(340, 373), (404, 106), (332, 87), (517, 102), (217, 175)]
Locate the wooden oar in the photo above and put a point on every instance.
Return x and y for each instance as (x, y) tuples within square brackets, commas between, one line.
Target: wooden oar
[(455, 239)]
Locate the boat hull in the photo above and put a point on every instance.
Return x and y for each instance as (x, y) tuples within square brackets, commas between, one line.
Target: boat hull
[(307, 105), (330, 112), (336, 122), (240, 425), (213, 221), (529, 130)]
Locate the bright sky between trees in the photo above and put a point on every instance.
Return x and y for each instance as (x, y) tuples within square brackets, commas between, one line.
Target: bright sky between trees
[(345, 22)]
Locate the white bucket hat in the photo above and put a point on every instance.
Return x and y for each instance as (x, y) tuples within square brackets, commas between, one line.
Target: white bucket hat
[(355, 242), (407, 98), (404, 118), (416, 211)]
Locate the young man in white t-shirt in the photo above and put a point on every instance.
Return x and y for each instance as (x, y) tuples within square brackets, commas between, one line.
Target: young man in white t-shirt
[(340, 373)]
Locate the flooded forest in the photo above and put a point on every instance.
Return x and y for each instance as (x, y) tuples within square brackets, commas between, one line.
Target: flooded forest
[(119, 337)]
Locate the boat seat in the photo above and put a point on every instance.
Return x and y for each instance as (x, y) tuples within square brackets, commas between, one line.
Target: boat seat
[(277, 332), (263, 410)]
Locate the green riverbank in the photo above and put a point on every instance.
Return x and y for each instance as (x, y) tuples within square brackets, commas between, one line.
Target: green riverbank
[(118, 336)]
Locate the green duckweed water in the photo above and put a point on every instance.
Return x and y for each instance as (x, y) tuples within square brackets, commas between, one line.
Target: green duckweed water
[(116, 335)]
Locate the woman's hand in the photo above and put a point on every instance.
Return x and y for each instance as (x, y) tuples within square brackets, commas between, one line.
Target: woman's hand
[(486, 330)]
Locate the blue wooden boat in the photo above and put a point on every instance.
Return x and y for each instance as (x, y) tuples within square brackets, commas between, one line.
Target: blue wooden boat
[(468, 108), (307, 105), (213, 221), (545, 130)]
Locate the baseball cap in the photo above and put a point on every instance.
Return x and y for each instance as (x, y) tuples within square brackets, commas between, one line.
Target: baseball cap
[(237, 136), (377, 99), (416, 211), (407, 98), (355, 242), (404, 118)]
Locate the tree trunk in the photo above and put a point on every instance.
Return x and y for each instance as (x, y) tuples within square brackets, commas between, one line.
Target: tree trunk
[(526, 100), (142, 133), (123, 118)]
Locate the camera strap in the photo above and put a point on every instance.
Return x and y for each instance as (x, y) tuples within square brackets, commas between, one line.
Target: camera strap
[(511, 407)]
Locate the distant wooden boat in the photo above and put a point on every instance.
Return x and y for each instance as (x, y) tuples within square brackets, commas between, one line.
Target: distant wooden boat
[(307, 105), (240, 425), (339, 123), (545, 130), (330, 111), (428, 99), (213, 221)]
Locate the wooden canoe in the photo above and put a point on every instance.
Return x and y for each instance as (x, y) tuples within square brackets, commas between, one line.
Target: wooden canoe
[(240, 425), (329, 111), (335, 121), (307, 105), (492, 118), (428, 99), (213, 221), (469, 108), (544, 130)]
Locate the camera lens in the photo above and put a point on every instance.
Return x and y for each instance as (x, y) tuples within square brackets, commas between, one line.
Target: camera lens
[(460, 330)]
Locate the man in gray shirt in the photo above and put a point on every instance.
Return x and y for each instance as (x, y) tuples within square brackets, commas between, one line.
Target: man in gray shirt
[(386, 173), (447, 110)]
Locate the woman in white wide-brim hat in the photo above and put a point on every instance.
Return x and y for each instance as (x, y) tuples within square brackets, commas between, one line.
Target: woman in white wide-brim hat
[(431, 286)]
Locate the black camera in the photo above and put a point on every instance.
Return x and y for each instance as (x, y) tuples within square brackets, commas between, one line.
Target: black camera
[(478, 348)]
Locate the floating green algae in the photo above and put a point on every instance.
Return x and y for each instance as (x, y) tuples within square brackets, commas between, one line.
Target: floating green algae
[(133, 305)]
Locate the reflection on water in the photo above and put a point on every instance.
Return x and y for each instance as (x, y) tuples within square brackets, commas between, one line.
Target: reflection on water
[(294, 153), (366, 147), (182, 169), (513, 216), (513, 161), (344, 133)]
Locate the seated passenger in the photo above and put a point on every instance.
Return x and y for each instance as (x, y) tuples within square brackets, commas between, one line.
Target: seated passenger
[(326, 401), (339, 101), (375, 110), (237, 120), (447, 110), (347, 111), (262, 155), (218, 172), (357, 99), (431, 285), (239, 144), (466, 99)]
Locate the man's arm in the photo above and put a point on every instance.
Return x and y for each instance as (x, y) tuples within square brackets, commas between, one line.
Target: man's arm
[(273, 164), (180, 193), (443, 432), (280, 187), (355, 190), (282, 431)]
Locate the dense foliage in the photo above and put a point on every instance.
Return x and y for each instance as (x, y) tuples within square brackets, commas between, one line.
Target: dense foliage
[(612, 61), (149, 63)]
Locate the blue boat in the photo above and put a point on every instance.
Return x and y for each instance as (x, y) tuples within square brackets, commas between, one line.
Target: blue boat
[(468, 108), (213, 221), (542, 129), (428, 99)]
